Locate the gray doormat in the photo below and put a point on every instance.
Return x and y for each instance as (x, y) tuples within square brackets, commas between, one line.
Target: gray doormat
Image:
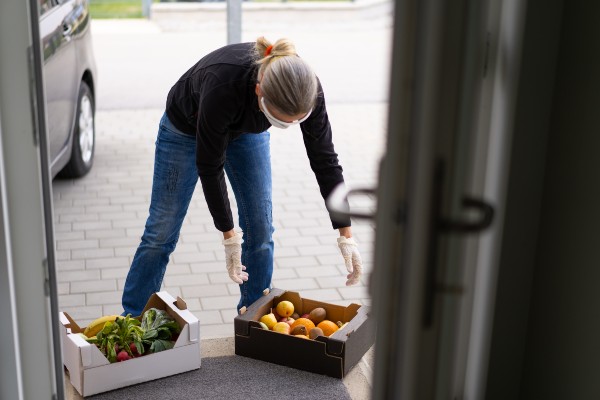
[(235, 377)]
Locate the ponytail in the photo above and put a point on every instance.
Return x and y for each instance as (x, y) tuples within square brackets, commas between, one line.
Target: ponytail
[(287, 82)]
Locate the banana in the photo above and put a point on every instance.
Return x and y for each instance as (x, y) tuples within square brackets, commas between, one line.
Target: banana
[(96, 326)]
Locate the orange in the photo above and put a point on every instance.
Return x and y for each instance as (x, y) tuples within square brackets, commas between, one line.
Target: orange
[(328, 327), (308, 324)]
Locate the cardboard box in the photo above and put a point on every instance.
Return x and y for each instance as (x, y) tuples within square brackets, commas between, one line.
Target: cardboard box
[(333, 356), (90, 372)]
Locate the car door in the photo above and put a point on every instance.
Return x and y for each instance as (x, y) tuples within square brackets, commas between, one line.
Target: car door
[(60, 73)]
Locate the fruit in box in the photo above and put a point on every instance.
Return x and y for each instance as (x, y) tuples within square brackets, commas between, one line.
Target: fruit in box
[(333, 356), (263, 325), (281, 327), (328, 327), (96, 326), (285, 308), (310, 325), (307, 323), (317, 315), (269, 320), (299, 330), (315, 332)]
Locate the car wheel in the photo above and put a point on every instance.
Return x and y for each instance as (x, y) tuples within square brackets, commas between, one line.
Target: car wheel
[(84, 136)]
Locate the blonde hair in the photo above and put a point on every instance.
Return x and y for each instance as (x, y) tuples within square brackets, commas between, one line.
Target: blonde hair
[(287, 82)]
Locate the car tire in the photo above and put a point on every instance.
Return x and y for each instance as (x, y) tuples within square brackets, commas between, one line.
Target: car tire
[(84, 136)]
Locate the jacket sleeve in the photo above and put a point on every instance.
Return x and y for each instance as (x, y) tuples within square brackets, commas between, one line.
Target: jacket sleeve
[(216, 110), (317, 135)]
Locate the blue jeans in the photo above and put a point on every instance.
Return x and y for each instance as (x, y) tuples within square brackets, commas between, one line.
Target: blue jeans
[(248, 168)]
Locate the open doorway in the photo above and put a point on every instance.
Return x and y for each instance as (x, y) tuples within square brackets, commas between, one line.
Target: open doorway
[(100, 218), (97, 219)]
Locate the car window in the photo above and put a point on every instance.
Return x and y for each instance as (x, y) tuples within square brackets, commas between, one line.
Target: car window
[(45, 6)]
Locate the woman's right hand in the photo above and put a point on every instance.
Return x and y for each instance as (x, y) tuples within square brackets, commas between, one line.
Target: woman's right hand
[(233, 256)]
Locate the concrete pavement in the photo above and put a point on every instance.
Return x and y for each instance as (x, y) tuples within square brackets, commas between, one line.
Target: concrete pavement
[(99, 219), (138, 62)]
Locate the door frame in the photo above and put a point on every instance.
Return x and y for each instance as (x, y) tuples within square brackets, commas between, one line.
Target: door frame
[(34, 370)]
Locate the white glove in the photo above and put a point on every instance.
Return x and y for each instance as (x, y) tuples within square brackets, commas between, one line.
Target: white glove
[(349, 250), (233, 258)]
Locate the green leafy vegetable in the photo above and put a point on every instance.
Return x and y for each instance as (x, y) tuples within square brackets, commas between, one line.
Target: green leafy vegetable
[(159, 328), (153, 334), (118, 335)]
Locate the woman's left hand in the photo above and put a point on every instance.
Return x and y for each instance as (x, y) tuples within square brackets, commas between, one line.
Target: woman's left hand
[(352, 258)]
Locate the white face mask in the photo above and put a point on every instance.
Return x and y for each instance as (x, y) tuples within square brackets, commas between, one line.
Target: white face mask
[(277, 123)]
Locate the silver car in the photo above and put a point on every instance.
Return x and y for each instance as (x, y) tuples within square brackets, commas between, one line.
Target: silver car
[(70, 85)]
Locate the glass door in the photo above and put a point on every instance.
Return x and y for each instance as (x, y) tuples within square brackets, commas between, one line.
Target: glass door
[(440, 193)]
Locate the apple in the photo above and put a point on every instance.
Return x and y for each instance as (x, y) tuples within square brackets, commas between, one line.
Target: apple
[(285, 308), (269, 320), (281, 327), (287, 320)]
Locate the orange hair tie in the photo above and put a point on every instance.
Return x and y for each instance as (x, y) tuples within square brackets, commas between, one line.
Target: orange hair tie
[(268, 50)]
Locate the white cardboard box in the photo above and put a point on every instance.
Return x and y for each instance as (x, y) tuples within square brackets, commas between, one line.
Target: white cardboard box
[(90, 372)]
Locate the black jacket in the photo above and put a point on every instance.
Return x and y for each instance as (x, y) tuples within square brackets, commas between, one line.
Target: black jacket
[(215, 100)]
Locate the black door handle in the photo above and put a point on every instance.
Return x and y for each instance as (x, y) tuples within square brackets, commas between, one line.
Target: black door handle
[(337, 203), (469, 226), (443, 225)]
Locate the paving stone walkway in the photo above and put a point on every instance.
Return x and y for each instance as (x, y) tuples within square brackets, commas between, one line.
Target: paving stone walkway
[(99, 219)]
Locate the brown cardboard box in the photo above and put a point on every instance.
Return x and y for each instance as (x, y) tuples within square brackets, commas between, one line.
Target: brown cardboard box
[(333, 356), (90, 372)]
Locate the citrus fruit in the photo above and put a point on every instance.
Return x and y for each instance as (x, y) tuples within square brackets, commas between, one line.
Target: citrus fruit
[(328, 327), (308, 324)]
